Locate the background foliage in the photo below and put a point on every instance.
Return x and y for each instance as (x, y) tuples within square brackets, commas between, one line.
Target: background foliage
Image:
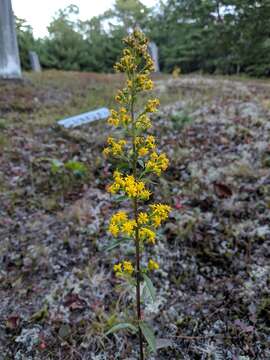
[(213, 36)]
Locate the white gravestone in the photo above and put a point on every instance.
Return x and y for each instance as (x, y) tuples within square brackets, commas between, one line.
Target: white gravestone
[(153, 49), (85, 118), (34, 61), (9, 54)]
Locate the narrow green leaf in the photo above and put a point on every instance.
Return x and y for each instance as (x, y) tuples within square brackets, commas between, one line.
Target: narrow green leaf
[(145, 293), (149, 335), (120, 198), (150, 287), (113, 245), (122, 326)]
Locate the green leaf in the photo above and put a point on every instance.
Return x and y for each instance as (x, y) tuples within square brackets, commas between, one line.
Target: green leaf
[(114, 244), (120, 198), (150, 287), (122, 326), (77, 167), (56, 165), (149, 335)]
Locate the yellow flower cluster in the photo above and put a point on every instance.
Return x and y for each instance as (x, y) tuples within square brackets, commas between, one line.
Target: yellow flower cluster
[(150, 142), (126, 63), (157, 163), (143, 122), (176, 72), (128, 184), (115, 148), (119, 118), (123, 96), (124, 267), (121, 224), (139, 43), (143, 145), (153, 265), (141, 157), (143, 82), (146, 234), (159, 213), (152, 105)]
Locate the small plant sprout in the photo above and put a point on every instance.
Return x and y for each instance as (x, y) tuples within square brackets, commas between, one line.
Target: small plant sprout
[(137, 160)]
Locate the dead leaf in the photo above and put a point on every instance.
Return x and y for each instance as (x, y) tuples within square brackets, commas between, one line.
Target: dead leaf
[(222, 190)]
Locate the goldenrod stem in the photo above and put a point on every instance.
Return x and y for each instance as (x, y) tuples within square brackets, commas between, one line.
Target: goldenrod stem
[(138, 279), (137, 240)]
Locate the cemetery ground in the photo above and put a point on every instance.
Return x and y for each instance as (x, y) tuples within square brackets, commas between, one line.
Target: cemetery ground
[(57, 289)]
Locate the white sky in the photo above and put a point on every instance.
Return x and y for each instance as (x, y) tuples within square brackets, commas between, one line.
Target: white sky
[(38, 13)]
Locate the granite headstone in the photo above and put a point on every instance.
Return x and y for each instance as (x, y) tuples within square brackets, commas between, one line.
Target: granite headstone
[(153, 49), (10, 67), (34, 61)]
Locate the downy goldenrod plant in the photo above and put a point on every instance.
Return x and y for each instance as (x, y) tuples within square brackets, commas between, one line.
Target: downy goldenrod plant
[(137, 159)]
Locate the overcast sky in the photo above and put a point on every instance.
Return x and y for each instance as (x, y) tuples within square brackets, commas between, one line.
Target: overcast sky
[(38, 13)]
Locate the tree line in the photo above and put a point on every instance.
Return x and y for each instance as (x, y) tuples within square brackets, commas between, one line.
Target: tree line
[(213, 36)]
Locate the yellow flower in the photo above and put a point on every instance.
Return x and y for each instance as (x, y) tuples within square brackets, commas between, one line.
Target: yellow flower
[(161, 209), (118, 178), (122, 97), (117, 268), (124, 116), (113, 188), (134, 188), (119, 217), (114, 229), (147, 234), (130, 186), (120, 117), (138, 140), (157, 163), (113, 119), (128, 267), (106, 151), (115, 147), (160, 213), (153, 265), (152, 105), (118, 183), (144, 83), (128, 227), (156, 221), (149, 63), (150, 142), (143, 151), (143, 122), (145, 195), (143, 218)]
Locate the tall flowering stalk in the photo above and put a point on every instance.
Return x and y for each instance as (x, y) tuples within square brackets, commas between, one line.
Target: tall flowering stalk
[(137, 161)]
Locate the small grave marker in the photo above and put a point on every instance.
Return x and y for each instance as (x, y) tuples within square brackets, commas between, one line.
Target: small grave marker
[(153, 49), (84, 118), (34, 61)]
